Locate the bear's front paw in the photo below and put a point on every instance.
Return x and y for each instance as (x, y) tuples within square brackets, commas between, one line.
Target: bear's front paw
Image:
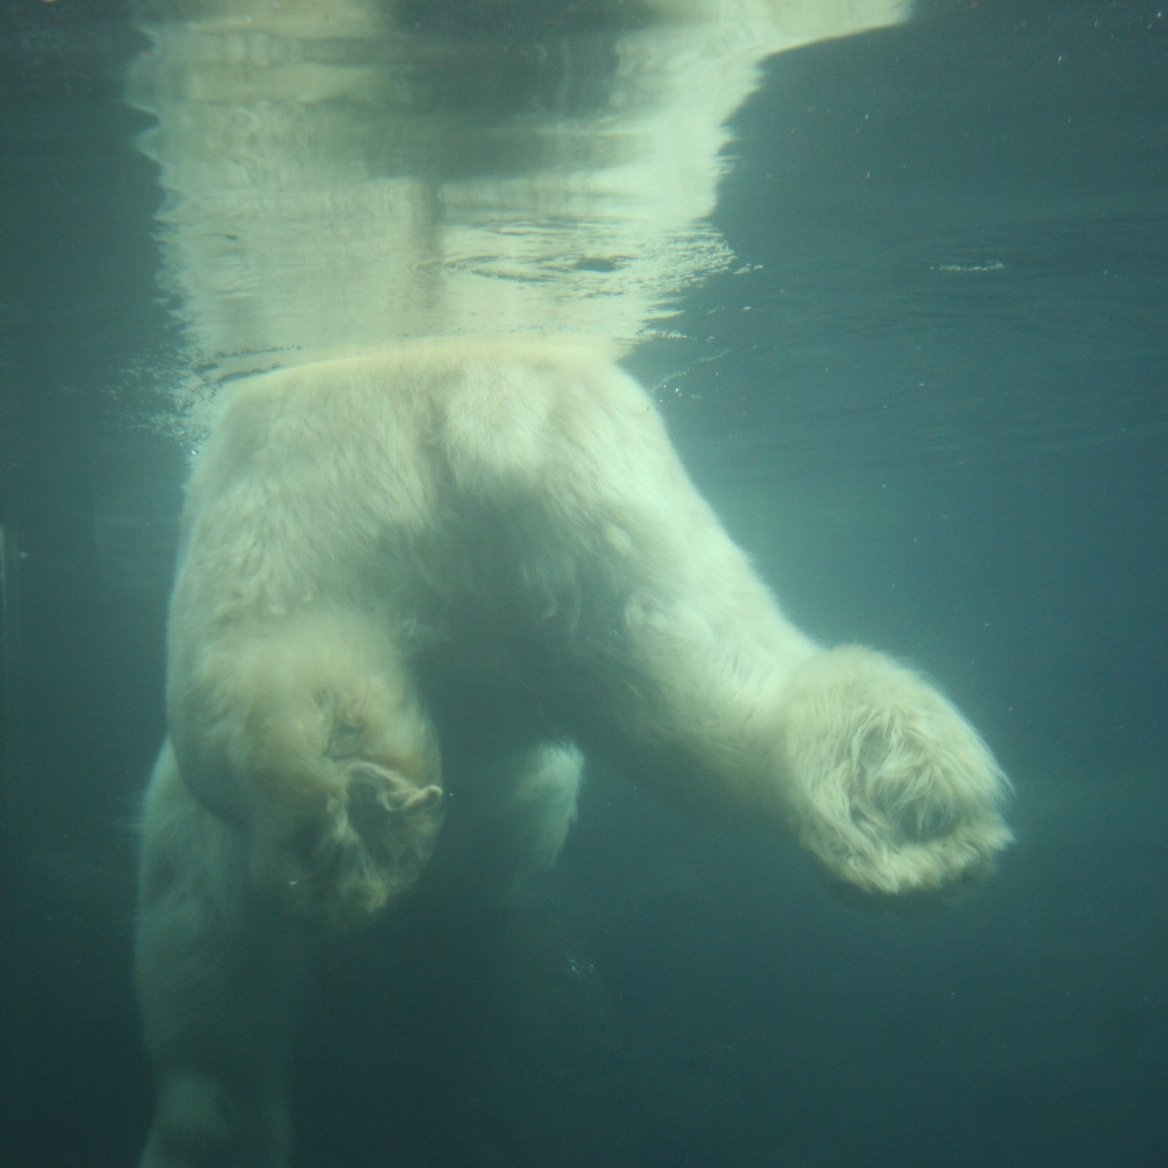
[(365, 842), (886, 783)]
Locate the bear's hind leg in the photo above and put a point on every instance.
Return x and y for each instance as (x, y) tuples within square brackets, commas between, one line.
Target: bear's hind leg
[(889, 786), (690, 657), (306, 730)]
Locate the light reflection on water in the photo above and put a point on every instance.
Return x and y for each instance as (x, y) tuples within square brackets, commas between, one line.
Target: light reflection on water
[(344, 178)]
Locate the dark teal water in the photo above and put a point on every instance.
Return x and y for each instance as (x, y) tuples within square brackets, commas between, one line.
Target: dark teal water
[(934, 407)]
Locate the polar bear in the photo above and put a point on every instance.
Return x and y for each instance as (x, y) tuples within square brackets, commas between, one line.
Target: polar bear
[(437, 545), (492, 537)]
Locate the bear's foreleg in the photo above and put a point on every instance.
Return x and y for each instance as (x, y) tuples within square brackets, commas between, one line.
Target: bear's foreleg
[(219, 976)]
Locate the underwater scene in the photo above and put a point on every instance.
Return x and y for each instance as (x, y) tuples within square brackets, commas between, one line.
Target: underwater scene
[(584, 583)]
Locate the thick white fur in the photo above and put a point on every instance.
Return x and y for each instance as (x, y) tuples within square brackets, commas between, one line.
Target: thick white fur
[(219, 975), (350, 519), (502, 521), (889, 787)]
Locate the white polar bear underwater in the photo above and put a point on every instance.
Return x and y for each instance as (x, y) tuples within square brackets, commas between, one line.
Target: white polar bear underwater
[(478, 528)]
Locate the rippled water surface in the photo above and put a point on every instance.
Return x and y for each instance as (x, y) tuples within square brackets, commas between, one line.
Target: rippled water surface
[(915, 354)]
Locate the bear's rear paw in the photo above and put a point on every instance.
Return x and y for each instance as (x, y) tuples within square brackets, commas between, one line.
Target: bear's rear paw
[(887, 784), (366, 842)]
